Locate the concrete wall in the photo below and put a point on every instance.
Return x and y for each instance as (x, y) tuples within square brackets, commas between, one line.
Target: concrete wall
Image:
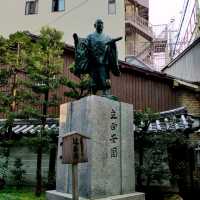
[(29, 160), (79, 17)]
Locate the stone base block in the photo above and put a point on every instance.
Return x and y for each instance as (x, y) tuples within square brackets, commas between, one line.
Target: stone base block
[(54, 195)]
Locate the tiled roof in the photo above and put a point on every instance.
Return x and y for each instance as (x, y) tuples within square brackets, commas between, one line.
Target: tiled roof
[(174, 120), (173, 124), (170, 121), (30, 127)]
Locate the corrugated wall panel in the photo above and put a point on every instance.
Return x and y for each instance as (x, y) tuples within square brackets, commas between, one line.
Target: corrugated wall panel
[(187, 67), (144, 91)]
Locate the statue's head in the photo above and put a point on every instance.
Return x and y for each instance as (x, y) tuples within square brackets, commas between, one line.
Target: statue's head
[(98, 25)]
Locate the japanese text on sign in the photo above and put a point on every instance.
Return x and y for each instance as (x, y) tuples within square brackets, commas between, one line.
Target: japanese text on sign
[(114, 136)]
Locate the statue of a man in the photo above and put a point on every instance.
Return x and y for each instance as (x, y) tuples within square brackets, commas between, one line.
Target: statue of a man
[(101, 53)]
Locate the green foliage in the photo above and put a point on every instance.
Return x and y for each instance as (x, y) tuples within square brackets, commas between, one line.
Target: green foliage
[(44, 72), (4, 76), (154, 169), (44, 78), (80, 88), (18, 47), (13, 63), (2, 49), (18, 172), (41, 62), (151, 149), (143, 119), (19, 194), (4, 159), (48, 139), (3, 169)]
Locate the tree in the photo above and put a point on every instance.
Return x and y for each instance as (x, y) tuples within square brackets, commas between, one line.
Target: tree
[(155, 151), (142, 121), (44, 77), (2, 49), (80, 88), (13, 54), (13, 62), (35, 67)]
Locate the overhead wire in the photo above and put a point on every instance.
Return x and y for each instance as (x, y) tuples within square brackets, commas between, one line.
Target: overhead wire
[(183, 18)]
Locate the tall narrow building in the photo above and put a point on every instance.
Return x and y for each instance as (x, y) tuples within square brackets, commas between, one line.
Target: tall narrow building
[(139, 34)]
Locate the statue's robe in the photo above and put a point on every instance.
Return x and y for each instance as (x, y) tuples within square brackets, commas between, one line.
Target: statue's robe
[(96, 55), (81, 56)]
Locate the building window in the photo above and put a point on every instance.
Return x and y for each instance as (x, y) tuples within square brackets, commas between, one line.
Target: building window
[(197, 153), (31, 7), (58, 5), (111, 7)]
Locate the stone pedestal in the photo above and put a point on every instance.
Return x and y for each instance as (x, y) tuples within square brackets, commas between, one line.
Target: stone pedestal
[(110, 170)]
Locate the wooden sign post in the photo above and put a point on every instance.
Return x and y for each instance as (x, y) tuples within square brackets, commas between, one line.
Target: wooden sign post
[(74, 151), (75, 192)]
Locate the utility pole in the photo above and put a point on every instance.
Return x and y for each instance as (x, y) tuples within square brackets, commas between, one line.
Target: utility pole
[(197, 28)]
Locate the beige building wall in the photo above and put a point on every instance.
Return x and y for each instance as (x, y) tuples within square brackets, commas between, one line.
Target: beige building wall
[(79, 17)]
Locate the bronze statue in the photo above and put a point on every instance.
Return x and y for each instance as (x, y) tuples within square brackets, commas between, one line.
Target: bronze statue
[(97, 56)]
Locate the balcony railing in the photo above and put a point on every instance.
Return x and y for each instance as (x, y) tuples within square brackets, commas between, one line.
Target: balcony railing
[(141, 52), (140, 23)]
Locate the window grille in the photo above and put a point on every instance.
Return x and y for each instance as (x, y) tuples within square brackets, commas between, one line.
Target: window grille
[(31, 7), (58, 5), (111, 7)]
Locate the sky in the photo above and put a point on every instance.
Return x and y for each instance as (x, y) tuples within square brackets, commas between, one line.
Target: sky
[(161, 11)]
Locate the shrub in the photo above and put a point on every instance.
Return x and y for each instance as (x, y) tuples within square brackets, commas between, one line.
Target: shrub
[(18, 172)]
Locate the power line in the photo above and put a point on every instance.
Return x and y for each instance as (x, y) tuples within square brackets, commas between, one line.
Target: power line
[(168, 43), (184, 14)]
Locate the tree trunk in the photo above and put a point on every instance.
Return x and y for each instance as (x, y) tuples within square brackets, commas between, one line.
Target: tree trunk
[(39, 149), (39, 171), (13, 103), (52, 166)]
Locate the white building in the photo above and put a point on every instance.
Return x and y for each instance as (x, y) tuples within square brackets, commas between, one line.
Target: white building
[(127, 18), (68, 16)]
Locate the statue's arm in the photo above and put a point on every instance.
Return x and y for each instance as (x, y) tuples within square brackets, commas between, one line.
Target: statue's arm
[(75, 36), (114, 40)]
